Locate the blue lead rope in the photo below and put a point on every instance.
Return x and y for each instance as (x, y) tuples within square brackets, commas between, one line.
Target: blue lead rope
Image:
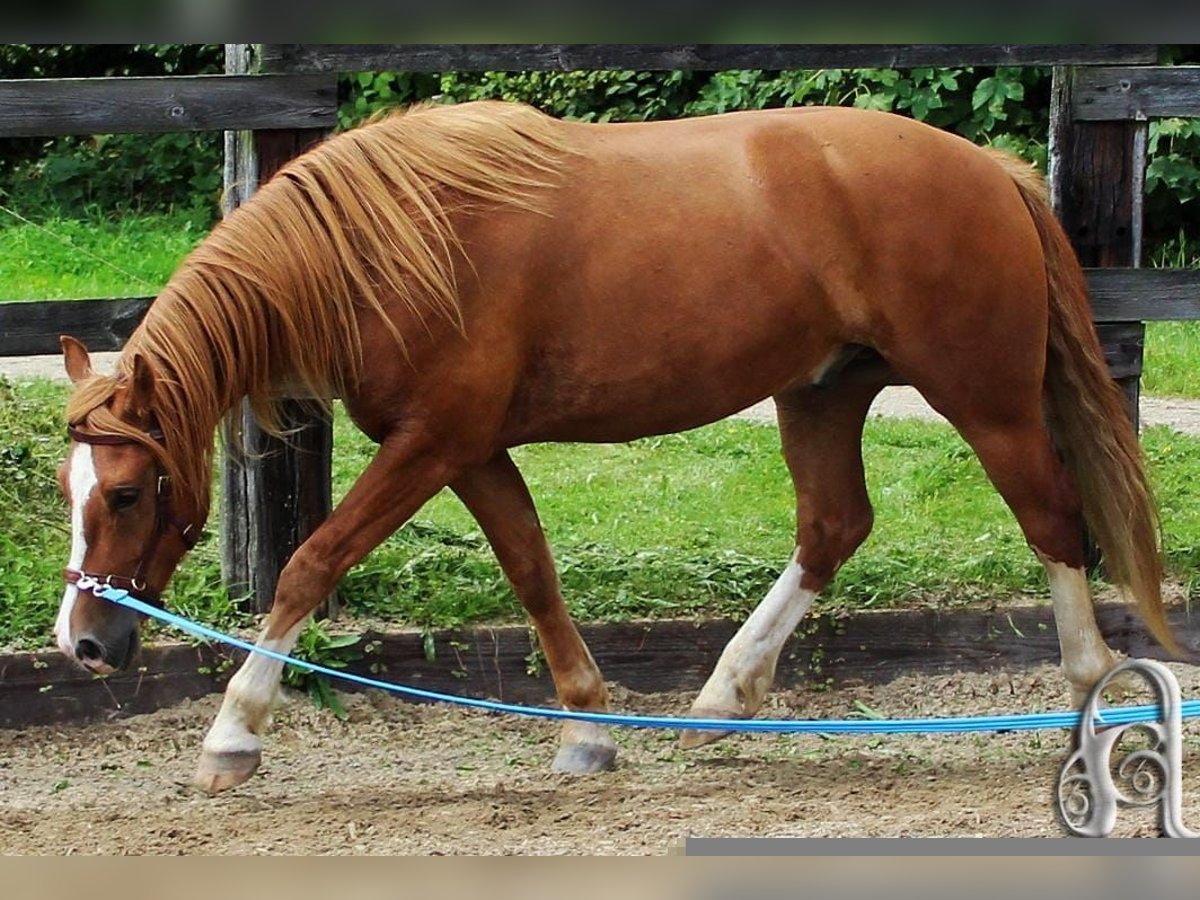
[(1019, 722)]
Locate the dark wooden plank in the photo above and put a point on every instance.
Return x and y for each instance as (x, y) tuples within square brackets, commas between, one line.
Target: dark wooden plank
[(668, 656), (1142, 93), (1131, 295), (48, 107), (33, 328), (647, 657), (703, 57), (286, 493), (47, 688)]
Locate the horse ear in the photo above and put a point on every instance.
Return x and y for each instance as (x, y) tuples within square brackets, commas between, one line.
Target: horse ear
[(141, 384), (75, 356)]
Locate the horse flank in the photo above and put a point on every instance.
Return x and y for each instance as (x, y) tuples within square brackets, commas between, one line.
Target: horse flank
[(275, 292)]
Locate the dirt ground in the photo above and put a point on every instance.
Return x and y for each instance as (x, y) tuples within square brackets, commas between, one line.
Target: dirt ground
[(403, 779)]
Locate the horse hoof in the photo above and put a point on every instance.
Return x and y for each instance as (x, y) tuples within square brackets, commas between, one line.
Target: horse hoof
[(221, 771), (584, 759), (585, 749), (691, 738)]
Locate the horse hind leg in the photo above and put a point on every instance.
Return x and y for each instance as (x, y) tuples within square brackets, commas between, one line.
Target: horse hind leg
[(497, 497), (821, 433), (1022, 463), (1009, 435)]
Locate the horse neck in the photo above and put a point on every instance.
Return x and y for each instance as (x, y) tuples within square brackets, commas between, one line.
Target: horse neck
[(202, 373)]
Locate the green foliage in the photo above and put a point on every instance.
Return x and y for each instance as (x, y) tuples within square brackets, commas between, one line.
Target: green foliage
[(1172, 181), (115, 173), (121, 174), (316, 645), (32, 515), (96, 60)]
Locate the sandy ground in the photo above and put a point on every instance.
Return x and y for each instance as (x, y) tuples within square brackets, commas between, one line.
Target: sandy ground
[(893, 402), (398, 778)]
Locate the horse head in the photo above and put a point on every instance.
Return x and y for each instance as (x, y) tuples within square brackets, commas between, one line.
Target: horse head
[(130, 527)]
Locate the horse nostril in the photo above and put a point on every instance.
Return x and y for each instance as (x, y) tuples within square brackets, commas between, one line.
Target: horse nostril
[(86, 649)]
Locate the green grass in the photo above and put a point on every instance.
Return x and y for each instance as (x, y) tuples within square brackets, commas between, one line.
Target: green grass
[(1172, 363), (686, 525), (64, 258)]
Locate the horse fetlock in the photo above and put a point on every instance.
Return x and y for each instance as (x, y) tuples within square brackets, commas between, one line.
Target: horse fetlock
[(739, 689), (1084, 674), (584, 690), (728, 694)]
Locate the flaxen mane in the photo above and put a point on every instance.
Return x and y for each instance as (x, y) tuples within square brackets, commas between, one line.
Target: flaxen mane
[(275, 291)]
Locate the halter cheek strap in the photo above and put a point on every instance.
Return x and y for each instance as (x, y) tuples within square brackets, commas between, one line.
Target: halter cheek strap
[(165, 520)]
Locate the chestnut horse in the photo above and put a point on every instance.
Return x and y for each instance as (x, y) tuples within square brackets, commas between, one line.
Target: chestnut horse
[(471, 278)]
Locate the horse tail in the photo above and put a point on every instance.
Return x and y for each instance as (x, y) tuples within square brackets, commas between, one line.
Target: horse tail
[(1090, 426)]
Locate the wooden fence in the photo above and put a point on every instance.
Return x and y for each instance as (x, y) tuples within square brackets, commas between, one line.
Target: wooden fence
[(277, 99)]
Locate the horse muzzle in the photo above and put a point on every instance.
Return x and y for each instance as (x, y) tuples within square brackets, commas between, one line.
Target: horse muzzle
[(109, 649)]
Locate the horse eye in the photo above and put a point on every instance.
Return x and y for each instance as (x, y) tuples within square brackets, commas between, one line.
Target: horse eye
[(124, 498)]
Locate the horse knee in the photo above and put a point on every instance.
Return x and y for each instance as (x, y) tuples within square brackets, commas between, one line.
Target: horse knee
[(307, 579), (827, 541)]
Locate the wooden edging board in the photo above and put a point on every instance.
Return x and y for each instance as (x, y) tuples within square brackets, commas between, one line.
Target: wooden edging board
[(873, 647)]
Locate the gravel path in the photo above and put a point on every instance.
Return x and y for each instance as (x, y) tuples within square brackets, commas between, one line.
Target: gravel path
[(1178, 413)]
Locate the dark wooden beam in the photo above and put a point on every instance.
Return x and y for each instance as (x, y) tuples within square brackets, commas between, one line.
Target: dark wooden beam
[(33, 328), (700, 57), (1107, 94), (1145, 295), (37, 107)]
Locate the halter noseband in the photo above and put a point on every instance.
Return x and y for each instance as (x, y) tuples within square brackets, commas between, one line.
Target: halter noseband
[(165, 520)]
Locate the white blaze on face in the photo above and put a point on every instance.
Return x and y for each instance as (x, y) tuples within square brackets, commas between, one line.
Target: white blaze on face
[(82, 481)]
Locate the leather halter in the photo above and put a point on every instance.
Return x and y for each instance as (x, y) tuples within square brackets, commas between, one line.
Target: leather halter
[(165, 520)]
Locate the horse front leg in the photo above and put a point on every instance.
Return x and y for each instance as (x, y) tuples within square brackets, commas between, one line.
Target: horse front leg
[(399, 480), (497, 497)]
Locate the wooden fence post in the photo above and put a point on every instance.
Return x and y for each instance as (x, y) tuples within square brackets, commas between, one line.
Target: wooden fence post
[(274, 492), (1097, 176), (1096, 179)]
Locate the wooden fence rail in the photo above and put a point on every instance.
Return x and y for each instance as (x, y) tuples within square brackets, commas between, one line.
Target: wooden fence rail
[(35, 107), (697, 57), (1125, 94)]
